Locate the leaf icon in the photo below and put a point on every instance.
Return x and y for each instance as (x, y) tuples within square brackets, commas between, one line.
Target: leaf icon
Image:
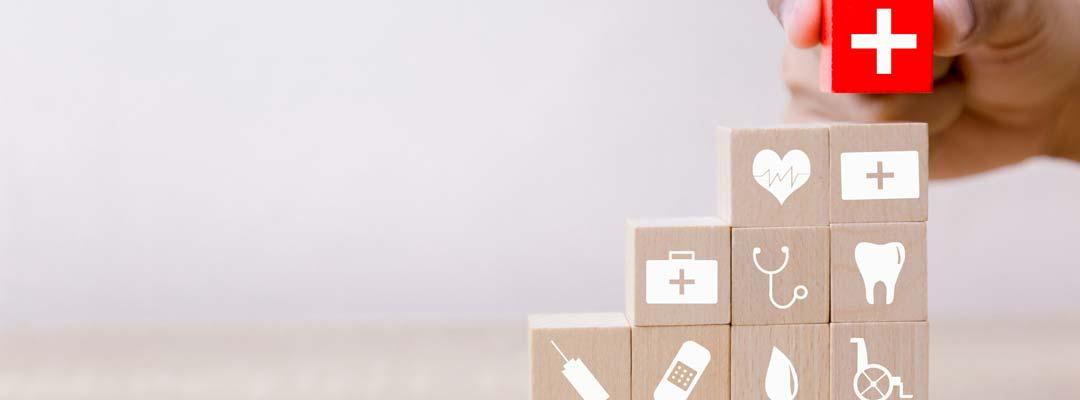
[(781, 381)]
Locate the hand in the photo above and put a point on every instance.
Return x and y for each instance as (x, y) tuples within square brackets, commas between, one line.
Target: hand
[(1007, 82)]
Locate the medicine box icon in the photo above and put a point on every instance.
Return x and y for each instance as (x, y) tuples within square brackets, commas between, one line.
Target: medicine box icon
[(681, 279)]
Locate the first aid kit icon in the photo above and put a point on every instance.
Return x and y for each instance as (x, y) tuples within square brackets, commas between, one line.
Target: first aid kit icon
[(681, 279)]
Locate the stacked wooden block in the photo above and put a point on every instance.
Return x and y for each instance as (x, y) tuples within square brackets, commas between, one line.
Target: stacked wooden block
[(811, 284)]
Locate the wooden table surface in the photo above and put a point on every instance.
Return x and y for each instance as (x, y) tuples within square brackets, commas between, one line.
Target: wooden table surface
[(481, 360)]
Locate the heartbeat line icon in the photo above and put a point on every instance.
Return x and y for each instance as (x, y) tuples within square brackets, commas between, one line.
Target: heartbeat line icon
[(790, 175), (781, 176)]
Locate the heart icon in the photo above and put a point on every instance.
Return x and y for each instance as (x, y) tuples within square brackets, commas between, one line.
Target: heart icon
[(781, 176)]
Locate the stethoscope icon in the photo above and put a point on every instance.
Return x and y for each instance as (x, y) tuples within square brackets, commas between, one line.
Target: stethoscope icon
[(800, 291)]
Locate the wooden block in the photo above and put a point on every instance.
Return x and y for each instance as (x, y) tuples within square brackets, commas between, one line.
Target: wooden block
[(780, 362), (879, 172), (678, 272), (896, 352), (774, 176), (869, 258), (877, 46), (597, 356), (795, 288), (681, 362)]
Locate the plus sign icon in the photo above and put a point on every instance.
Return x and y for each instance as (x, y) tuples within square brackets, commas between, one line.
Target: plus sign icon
[(879, 175), (681, 279), (877, 46)]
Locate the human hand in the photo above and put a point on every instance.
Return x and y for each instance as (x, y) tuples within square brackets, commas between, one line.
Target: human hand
[(1007, 82)]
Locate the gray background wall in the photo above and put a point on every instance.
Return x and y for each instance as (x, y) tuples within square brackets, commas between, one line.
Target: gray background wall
[(198, 160)]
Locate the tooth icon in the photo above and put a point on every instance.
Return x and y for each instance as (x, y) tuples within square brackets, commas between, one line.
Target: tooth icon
[(879, 263)]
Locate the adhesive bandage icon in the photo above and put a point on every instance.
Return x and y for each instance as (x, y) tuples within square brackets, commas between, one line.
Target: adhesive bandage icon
[(579, 376), (684, 372)]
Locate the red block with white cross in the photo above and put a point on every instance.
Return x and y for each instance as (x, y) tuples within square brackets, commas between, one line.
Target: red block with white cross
[(877, 46)]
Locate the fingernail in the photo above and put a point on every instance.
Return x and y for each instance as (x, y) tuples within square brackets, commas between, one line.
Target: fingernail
[(790, 10), (780, 10), (787, 11)]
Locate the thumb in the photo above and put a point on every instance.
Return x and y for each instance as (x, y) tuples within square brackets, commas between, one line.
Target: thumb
[(801, 20), (960, 25)]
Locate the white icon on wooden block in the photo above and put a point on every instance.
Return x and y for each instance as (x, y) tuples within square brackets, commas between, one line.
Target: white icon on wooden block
[(781, 380), (681, 280), (884, 41), (684, 372), (781, 176), (879, 175), (869, 378), (880, 263), (579, 376), (800, 292)]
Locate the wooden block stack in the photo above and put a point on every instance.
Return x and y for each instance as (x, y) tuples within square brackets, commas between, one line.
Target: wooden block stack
[(811, 283)]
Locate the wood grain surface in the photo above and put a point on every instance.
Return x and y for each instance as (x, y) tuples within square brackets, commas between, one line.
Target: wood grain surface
[(654, 239), (656, 346), (746, 203), (849, 301), (893, 350), (601, 341), (807, 265), (845, 138), (987, 360), (806, 346)]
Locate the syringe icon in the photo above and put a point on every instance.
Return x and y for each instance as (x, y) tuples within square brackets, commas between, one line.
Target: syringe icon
[(580, 378)]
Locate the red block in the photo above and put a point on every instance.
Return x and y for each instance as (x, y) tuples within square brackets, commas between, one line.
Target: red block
[(877, 46)]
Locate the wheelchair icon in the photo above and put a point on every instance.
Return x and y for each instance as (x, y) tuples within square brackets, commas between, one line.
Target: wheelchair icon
[(869, 378)]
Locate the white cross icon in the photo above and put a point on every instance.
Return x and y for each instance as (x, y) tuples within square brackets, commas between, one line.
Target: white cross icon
[(884, 41)]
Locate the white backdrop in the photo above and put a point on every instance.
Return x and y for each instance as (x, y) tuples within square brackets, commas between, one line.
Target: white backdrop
[(206, 160)]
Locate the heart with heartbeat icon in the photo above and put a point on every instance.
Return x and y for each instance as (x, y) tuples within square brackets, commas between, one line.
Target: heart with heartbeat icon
[(781, 176)]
